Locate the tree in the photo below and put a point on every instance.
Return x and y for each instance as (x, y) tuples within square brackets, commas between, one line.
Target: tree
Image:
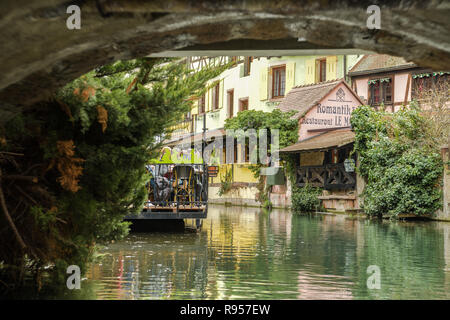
[(434, 104), (275, 120), (401, 166), (72, 167)]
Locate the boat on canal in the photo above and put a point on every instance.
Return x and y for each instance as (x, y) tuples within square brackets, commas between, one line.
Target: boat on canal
[(177, 188)]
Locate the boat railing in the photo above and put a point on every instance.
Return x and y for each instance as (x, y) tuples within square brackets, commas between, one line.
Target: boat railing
[(175, 187)]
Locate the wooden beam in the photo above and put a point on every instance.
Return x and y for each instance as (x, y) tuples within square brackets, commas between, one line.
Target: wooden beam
[(408, 84)]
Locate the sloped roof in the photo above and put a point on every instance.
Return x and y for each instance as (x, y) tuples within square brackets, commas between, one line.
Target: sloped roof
[(329, 139), (374, 63), (303, 98), (188, 139)]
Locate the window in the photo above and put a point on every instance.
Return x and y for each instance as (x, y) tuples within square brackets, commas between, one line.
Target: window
[(380, 91), (338, 155), (375, 93), (194, 123), (201, 104), (230, 101), (215, 97), (247, 64), (278, 81), (243, 104), (424, 82), (334, 156), (387, 89), (420, 86), (321, 70), (234, 60), (241, 151), (224, 152), (247, 152)]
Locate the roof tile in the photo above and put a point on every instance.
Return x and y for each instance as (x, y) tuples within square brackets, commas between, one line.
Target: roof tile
[(326, 140), (302, 98), (379, 63)]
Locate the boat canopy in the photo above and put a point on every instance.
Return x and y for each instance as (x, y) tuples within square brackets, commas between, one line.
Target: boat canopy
[(177, 156)]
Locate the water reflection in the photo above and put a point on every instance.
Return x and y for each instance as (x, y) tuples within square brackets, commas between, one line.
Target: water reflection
[(245, 253)]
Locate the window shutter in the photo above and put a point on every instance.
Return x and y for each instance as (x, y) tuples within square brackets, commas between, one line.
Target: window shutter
[(214, 103), (331, 68), (195, 108), (310, 71), (263, 83), (290, 76), (209, 100), (317, 70), (221, 85)]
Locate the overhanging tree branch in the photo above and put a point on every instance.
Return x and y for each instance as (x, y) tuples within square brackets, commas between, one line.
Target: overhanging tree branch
[(8, 217)]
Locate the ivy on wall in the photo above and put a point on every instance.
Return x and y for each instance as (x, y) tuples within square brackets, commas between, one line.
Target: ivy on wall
[(400, 165), (253, 119), (226, 182)]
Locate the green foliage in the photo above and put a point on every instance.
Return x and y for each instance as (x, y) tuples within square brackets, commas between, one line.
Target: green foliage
[(290, 161), (401, 168), (305, 199), (267, 204), (252, 119), (113, 116), (226, 181), (43, 219)]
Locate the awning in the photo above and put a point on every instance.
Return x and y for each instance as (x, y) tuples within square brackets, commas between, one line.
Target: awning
[(196, 137), (327, 140)]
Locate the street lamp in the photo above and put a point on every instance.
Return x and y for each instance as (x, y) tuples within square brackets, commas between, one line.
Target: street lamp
[(349, 165)]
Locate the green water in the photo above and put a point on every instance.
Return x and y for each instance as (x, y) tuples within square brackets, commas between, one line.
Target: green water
[(244, 253)]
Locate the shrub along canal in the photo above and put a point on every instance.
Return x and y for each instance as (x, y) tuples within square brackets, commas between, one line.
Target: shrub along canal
[(246, 253)]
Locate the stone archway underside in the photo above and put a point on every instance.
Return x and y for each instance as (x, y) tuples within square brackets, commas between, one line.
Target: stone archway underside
[(39, 54)]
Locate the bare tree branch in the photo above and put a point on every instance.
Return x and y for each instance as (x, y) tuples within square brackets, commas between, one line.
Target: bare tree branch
[(8, 217)]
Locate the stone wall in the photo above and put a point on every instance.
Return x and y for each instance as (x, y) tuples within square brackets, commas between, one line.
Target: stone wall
[(239, 195), (444, 214), (280, 199), (40, 54)]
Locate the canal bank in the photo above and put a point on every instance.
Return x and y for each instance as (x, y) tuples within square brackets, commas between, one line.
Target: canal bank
[(247, 253), (244, 196), (324, 157)]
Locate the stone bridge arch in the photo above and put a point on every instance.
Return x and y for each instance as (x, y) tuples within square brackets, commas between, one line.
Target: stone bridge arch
[(39, 54)]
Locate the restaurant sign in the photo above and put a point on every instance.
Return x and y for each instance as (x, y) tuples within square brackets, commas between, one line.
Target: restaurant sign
[(333, 111)]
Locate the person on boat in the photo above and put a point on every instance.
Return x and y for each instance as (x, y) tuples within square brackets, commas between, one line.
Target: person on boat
[(151, 171), (164, 190)]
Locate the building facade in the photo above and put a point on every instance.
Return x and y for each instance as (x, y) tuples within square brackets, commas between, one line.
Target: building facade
[(252, 83), (388, 82), (323, 154), (324, 91)]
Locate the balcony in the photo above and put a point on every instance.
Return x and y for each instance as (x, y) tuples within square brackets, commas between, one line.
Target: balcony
[(330, 177), (183, 128)]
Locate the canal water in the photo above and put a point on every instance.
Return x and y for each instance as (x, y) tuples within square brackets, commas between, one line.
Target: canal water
[(247, 253)]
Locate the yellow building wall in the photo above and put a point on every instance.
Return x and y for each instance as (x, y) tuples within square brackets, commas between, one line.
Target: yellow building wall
[(300, 70), (243, 174), (222, 171)]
